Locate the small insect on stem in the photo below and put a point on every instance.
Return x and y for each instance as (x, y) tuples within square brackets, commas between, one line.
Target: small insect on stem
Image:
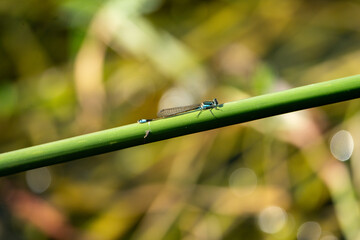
[(169, 112)]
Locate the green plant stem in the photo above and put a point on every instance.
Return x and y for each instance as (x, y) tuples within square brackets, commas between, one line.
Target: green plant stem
[(134, 134)]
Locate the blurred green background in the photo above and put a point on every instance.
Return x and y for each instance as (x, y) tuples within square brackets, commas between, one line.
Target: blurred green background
[(74, 67)]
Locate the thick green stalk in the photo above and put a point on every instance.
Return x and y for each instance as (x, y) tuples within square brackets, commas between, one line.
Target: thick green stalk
[(136, 134)]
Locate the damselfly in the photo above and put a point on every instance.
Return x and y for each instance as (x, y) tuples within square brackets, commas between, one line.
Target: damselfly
[(170, 112)]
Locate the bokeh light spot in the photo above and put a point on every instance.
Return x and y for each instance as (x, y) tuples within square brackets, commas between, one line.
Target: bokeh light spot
[(38, 180), (309, 231), (342, 145), (272, 219)]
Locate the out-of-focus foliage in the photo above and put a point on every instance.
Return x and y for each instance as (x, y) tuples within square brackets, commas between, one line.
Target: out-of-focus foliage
[(71, 67)]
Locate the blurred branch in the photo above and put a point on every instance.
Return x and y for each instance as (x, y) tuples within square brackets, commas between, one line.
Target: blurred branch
[(136, 134)]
